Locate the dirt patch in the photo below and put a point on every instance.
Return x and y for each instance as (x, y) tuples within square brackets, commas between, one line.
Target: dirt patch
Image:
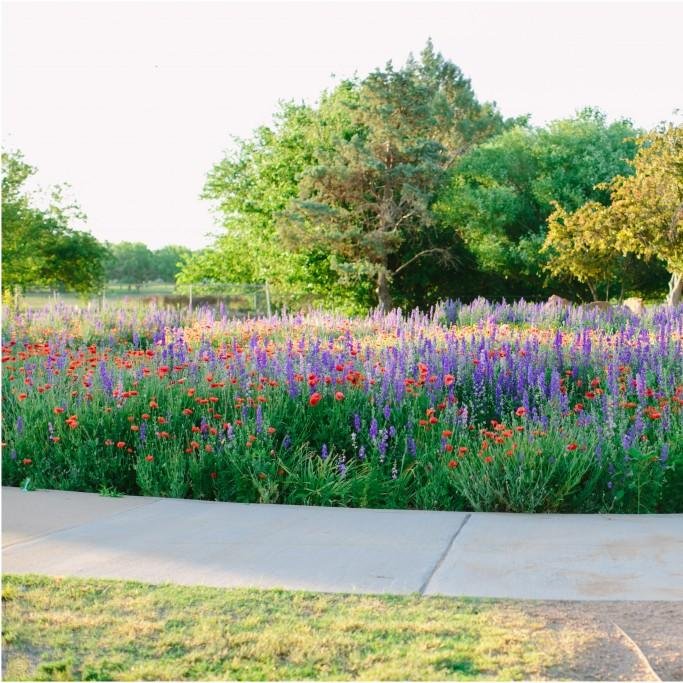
[(625, 640)]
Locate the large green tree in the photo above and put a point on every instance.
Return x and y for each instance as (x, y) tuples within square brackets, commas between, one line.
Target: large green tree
[(503, 192), (40, 247), (368, 197)]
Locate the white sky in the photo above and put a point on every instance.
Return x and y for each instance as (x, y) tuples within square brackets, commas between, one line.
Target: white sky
[(132, 102)]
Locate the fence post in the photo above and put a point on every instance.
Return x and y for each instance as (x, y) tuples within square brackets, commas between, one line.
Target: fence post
[(190, 298), (268, 299)]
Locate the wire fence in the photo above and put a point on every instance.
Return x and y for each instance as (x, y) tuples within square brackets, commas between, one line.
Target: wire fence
[(237, 299)]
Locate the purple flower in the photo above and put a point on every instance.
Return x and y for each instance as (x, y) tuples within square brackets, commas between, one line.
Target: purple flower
[(356, 423), (20, 424), (374, 429), (287, 441), (664, 454), (323, 452), (387, 412), (361, 453)]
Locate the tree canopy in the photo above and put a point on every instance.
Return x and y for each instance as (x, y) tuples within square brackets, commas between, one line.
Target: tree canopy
[(40, 247)]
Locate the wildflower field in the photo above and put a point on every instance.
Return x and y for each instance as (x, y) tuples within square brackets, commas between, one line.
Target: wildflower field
[(489, 407)]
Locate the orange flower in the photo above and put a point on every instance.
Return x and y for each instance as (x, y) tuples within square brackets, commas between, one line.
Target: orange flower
[(446, 433), (462, 450), (58, 410), (153, 404), (26, 461)]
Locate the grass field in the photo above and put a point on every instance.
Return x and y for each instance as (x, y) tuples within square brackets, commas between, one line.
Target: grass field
[(66, 629)]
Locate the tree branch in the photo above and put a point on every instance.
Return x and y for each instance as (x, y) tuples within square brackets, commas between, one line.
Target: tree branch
[(417, 256)]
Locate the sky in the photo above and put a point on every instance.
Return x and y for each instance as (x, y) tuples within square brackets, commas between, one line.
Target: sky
[(132, 103)]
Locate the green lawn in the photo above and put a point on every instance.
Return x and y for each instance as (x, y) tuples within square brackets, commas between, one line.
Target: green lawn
[(93, 630)]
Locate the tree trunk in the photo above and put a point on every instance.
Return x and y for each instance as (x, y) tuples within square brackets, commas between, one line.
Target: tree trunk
[(383, 294), (593, 291), (675, 289)]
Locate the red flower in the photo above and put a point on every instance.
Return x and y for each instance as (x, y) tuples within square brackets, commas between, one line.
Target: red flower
[(448, 447), (572, 447), (452, 464), (21, 397), (58, 410), (149, 458), (462, 450), (187, 411), (120, 444), (590, 394), (153, 404), (26, 461), (213, 475), (488, 458), (339, 396), (315, 398), (446, 433), (433, 420), (578, 407), (521, 411), (448, 380)]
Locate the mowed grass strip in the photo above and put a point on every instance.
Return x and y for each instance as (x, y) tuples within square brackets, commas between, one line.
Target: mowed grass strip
[(112, 630)]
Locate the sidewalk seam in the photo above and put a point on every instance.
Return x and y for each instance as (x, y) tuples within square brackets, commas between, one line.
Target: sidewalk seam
[(74, 526), (441, 559)]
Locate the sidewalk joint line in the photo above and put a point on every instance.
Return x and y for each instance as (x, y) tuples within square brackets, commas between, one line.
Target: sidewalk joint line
[(441, 559), (74, 526)]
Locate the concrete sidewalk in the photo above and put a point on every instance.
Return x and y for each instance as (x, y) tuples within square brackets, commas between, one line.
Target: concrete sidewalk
[(549, 557)]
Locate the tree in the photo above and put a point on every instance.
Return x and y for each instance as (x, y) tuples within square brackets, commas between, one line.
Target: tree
[(39, 246), (250, 187), (368, 197), (503, 191), (576, 252), (648, 205), (168, 261), (644, 218), (130, 263)]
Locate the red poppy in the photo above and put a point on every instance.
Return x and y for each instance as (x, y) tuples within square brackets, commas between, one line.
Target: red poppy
[(26, 461), (448, 380), (149, 458), (213, 475), (58, 410), (521, 411), (452, 464), (339, 396), (446, 433), (315, 398)]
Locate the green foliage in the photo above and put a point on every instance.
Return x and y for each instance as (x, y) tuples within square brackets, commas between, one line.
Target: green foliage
[(641, 219), (503, 192), (39, 246), (368, 198), (130, 263)]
